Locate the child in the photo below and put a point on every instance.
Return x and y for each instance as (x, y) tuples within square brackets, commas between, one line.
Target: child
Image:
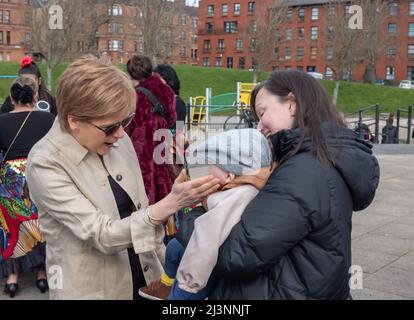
[(243, 167)]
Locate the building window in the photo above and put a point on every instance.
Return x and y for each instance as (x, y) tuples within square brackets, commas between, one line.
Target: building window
[(210, 10), (207, 45), (315, 13), (230, 26), (194, 39), (301, 33), (183, 19), (253, 26), (331, 31), (209, 27), (390, 73), (183, 35), (329, 53), (195, 23), (289, 14), (221, 45), (392, 28), (8, 38), (328, 73), (393, 8), (183, 52), (251, 8), (206, 61), (229, 62), (115, 45), (194, 54), (1, 56), (313, 52), (391, 52), (224, 9), (314, 33), (239, 44), (411, 50), (331, 12), (300, 53), (253, 44), (1, 16), (218, 62), (288, 53), (301, 14), (277, 53), (410, 73), (237, 9), (288, 34), (114, 27), (115, 10), (310, 69), (7, 18), (277, 35), (242, 63), (412, 8), (1, 37), (411, 29), (299, 68)]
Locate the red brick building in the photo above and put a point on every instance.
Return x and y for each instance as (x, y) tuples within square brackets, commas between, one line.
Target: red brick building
[(15, 18), (301, 41)]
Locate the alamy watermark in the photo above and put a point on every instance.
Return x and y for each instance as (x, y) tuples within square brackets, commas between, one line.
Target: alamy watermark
[(355, 22), (55, 17)]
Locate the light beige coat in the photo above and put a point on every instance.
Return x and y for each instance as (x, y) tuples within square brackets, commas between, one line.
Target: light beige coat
[(86, 241)]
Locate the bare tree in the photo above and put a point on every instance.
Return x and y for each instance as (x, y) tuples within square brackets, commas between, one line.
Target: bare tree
[(262, 35), (56, 44), (159, 22), (374, 40), (344, 42)]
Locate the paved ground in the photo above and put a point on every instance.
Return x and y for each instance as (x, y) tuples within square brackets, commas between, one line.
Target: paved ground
[(383, 235)]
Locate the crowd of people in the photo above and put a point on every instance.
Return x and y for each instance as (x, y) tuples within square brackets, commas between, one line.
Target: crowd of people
[(80, 190)]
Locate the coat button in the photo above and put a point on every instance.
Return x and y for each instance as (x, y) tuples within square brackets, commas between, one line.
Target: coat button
[(119, 177), (139, 206), (146, 268)]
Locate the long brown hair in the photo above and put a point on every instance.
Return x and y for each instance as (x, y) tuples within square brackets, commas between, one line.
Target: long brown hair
[(313, 107)]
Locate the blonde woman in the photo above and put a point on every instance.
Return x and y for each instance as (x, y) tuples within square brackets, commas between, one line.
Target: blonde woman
[(103, 240)]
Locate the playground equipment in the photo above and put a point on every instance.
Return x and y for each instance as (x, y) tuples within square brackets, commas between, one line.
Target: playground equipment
[(201, 107)]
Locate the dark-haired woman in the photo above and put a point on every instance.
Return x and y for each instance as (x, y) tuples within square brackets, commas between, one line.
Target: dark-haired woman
[(29, 69), (22, 246), (157, 180), (294, 238), (170, 76)]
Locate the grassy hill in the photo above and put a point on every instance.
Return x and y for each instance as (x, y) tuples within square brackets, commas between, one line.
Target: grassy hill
[(194, 80)]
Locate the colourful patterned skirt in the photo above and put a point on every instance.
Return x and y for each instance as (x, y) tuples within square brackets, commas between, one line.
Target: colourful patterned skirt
[(19, 226)]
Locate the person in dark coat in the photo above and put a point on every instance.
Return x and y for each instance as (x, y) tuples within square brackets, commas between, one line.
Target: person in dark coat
[(390, 132), (157, 179), (29, 69), (294, 238), (168, 73)]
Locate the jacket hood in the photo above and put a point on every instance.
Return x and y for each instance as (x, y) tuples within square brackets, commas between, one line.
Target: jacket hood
[(353, 159)]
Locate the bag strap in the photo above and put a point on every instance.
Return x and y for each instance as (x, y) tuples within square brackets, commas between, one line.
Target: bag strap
[(17, 134), (158, 108)]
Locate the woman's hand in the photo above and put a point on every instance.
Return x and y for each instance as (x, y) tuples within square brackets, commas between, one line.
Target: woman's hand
[(183, 194)]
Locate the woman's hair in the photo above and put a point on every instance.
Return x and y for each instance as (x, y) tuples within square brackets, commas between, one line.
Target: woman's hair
[(23, 90), (170, 76), (90, 89), (313, 107), (139, 67), (28, 66)]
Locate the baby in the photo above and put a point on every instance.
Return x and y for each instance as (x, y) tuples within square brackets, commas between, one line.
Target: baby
[(242, 161)]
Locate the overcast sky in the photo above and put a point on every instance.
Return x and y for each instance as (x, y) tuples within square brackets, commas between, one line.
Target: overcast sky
[(192, 2)]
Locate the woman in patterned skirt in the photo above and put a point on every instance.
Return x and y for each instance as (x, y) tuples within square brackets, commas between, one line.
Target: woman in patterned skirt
[(22, 246)]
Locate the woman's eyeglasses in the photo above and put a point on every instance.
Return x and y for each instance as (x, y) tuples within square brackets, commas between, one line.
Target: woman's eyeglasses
[(111, 129)]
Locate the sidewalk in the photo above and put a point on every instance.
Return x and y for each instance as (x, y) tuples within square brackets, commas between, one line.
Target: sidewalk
[(382, 236)]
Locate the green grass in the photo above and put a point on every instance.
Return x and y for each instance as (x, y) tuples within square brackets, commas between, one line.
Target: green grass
[(195, 80)]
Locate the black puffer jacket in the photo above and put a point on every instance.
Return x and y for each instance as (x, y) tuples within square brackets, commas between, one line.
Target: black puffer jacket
[(294, 238)]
